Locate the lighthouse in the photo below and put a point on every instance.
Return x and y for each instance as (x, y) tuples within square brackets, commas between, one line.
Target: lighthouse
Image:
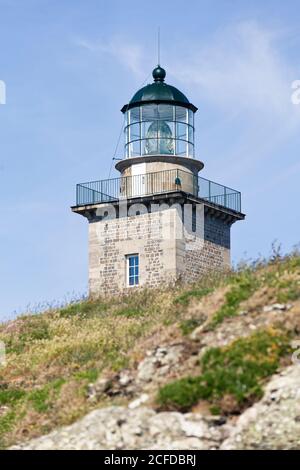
[(159, 222)]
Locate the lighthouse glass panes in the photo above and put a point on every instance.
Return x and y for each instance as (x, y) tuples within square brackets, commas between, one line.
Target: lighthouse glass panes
[(132, 266), (159, 129)]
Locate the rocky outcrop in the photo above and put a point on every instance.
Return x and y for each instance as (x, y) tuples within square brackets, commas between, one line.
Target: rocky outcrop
[(274, 422), (244, 324), (159, 362), (142, 428), (157, 365)]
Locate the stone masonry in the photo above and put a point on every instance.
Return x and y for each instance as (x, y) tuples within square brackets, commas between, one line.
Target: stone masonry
[(168, 250)]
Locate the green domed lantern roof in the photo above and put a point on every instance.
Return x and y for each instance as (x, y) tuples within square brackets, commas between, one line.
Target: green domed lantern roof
[(159, 92)]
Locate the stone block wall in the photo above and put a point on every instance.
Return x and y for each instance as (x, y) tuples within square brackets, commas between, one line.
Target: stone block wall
[(167, 250), (209, 254)]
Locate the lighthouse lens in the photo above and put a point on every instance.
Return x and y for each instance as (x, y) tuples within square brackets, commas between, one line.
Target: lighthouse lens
[(159, 139)]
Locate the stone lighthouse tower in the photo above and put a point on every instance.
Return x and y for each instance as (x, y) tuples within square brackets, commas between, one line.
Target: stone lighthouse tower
[(159, 221)]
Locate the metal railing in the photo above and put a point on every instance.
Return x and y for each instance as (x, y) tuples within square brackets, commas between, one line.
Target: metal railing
[(156, 183)]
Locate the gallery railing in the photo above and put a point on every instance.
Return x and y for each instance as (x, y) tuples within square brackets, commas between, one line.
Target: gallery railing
[(156, 183)]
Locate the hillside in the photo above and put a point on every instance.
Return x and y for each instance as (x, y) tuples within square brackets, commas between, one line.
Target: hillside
[(202, 366)]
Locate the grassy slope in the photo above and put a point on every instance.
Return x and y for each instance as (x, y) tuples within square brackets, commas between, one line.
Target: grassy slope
[(53, 356)]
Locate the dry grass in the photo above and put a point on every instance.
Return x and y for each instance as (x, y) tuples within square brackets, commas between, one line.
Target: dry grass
[(52, 357)]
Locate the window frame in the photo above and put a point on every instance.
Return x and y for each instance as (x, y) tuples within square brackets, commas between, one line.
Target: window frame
[(136, 269)]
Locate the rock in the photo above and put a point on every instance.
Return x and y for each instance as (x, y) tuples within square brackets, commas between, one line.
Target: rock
[(3, 410), (119, 384), (243, 312), (156, 365), (194, 429), (272, 423), (146, 369), (125, 378), (123, 428), (274, 307), (138, 401), (198, 332), (95, 390), (159, 362), (215, 420)]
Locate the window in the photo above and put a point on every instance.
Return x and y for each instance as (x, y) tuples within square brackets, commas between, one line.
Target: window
[(132, 268)]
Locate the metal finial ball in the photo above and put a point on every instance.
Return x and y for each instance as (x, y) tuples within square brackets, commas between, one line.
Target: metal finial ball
[(159, 74)]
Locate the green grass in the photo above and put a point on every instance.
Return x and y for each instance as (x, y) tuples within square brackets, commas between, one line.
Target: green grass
[(9, 396), (37, 328), (85, 309), (6, 424), (42, 399), (215, 410), (91, 375), (190, 324), (294, 261), (77, 354), (130, 312), (236, 370), (196, 293), (243, 286), (34, 328), (288, 291)]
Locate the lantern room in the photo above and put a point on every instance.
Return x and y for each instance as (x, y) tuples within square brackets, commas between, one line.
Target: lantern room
[(159, 120)]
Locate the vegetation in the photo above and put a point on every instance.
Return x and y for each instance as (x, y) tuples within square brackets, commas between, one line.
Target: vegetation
[(189, 325), (7, 422), (53, 356), (242, 286), (235, 371), (185, 298)]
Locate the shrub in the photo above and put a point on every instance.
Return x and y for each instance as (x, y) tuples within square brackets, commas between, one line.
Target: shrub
[(181, 394), (236, 370)]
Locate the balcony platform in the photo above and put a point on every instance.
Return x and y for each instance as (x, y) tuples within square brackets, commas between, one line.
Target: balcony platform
[(157, 184), (90, 210)]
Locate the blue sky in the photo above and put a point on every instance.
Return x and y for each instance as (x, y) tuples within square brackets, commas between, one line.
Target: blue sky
[(70, 65)]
